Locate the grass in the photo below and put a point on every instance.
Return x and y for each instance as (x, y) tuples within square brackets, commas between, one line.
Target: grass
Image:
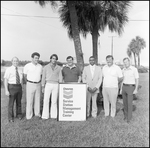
[(99, 132)]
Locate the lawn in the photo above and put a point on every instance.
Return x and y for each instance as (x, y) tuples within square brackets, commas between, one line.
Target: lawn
[(99, 132)]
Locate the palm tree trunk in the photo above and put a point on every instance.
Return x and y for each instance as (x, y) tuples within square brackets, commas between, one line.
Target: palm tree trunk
[(135, 59), (95, 45), (75, 33), (138, 60)]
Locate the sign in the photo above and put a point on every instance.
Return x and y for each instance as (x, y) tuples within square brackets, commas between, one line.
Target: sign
[(72, 102)]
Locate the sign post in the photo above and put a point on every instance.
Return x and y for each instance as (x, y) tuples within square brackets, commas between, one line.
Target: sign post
[(72, 102)]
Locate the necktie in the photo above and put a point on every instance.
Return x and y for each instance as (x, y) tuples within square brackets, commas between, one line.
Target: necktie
[(17, 76)]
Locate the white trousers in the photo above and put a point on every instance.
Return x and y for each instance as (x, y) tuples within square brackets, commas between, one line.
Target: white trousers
[(50, 89), (33, 94), (110, 97)]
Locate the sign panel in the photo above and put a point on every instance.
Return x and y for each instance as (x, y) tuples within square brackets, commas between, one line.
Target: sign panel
[(72, 102)]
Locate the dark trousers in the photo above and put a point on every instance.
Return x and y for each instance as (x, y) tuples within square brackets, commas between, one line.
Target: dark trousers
[(15, 95), (127, 94)]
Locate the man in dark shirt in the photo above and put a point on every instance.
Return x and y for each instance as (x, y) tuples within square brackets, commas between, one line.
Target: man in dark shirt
[(71, 72)]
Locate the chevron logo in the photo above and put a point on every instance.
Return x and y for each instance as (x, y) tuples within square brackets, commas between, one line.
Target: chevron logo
[(68, 93)]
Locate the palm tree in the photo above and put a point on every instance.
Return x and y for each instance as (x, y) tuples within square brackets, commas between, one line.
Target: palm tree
[(131, 50), (74, 25), (135, 47), (141, 44), (95, 16)]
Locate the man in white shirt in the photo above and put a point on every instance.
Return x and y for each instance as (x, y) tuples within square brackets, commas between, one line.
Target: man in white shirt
[(32, 74), (13, 89), (92, 76), (129, 87), (112, 75)]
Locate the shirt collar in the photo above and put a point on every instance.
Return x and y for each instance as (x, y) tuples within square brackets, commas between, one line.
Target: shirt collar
[(129, 68), (52, 65), (110, 66), (92, 66), (71, 66), (14, 67)]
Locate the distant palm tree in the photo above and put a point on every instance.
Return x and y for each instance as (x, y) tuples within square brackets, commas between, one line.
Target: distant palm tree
[(95, 16), (141, 44), (74, 25), (135, 47)]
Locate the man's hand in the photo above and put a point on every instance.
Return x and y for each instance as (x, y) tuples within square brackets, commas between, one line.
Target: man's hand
[(7, 93), (43, 88), (135, 91), (94, 90), (120, 92), (90, 90)]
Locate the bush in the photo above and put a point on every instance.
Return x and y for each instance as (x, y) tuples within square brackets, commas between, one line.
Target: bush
[(142, 69)]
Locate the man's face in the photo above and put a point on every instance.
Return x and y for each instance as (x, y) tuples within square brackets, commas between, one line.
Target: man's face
[(109, 61), (92, 61), (70, 62), (15, 62), (35, 59), (53, 60), (126, 63)]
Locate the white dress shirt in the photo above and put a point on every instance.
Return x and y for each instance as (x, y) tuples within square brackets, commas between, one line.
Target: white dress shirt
[(10, 74), (92, 68)]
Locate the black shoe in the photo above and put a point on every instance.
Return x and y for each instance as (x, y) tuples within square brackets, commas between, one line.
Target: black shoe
[(11, 120)]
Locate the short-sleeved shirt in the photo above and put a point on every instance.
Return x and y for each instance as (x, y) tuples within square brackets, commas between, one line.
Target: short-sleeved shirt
[(10, 74), (33, 72), (129, 75), (71, 74), (111, 75)]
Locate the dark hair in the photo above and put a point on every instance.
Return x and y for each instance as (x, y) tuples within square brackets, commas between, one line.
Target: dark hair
[(126, 59), (109, 56), (54, 55), (69, 57), (35, 54), (91, 57)]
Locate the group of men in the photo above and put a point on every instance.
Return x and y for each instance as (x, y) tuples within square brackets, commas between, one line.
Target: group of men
[(47, 79)]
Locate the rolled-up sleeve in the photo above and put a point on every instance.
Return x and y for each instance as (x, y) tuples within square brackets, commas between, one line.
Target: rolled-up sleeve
[(7, 73)]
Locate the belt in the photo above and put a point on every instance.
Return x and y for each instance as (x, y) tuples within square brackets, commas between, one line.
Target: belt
[(129, 84), (15, 84), (33, 82)]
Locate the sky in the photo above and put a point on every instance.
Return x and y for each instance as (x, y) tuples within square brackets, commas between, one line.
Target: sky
[(21, 36)]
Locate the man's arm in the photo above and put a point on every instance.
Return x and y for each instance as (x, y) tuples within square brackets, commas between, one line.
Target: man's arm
[(79, 80), (60, 77), (80, 75), (136, 86), (84, 76), (43, 77), (100, 79), (6, 87), (24, 78)]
